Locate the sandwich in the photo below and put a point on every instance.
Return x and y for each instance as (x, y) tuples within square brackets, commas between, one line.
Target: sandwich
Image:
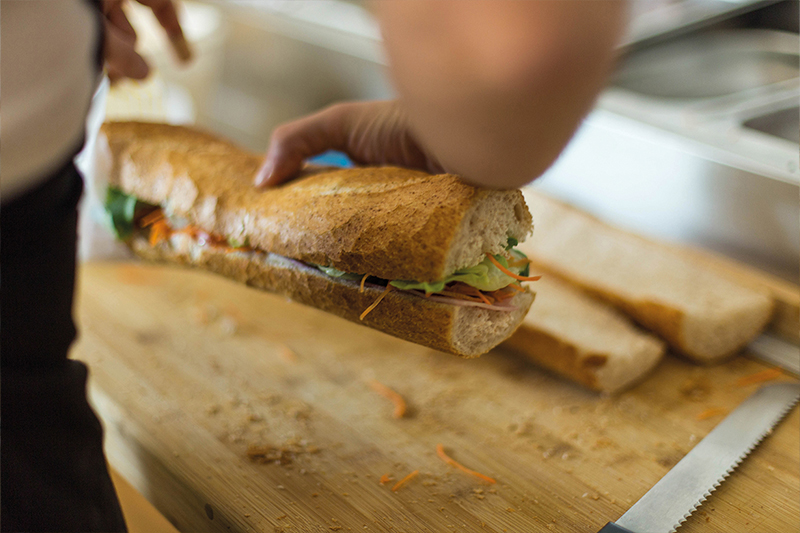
[(426, 258)]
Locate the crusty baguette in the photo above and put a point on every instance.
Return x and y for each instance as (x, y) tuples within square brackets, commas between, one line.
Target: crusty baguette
[(699, 312), (388, 222), (464, 331), (584, 339)]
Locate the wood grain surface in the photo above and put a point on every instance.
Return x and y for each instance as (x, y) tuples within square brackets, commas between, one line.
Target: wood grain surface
[(235, 410)]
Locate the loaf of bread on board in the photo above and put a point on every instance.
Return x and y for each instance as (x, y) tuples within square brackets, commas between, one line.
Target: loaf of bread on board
[(699, 312), (584, 339)]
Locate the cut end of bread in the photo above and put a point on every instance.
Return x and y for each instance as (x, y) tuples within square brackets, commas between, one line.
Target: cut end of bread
[(714, 336), (476, 330), (492, 218)]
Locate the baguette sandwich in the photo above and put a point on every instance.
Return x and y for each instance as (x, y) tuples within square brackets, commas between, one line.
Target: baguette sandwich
[(425, 258)]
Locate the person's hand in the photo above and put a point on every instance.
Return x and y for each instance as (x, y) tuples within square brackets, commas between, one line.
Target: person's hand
[(121, 58), (370, 133)]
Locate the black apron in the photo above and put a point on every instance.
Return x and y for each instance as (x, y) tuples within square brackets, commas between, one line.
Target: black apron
[(53, 474)]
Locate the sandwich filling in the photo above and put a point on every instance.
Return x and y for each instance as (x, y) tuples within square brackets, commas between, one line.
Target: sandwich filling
[(490, 284)]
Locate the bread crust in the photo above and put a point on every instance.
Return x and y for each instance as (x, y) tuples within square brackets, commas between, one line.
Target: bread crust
[(389, 222), (584, 339), (444, 327), (700, 313)]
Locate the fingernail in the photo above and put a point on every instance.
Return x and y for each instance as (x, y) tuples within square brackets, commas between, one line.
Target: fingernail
[(140, 69), (264, 173)]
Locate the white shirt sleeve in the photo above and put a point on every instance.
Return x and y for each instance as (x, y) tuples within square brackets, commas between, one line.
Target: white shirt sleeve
[(48, 74)]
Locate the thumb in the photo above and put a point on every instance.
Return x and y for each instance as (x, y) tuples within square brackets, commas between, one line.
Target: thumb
[(293, 143), (281, 164)]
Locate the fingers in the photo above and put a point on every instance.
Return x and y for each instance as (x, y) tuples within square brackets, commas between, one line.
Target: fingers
[(370, 133), (294, 142), (116, 16), (167, 16), (121, 58)]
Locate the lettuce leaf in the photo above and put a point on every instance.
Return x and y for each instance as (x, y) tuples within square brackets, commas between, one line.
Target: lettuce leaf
[(121, 208), (484, 276), (336, 273)]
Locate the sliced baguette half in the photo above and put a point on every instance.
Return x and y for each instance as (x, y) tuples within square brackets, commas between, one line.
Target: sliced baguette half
[(584, 339), (464, 331), (388, 222), (698, 311)]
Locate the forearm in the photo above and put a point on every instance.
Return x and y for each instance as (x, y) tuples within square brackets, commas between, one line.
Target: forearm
[(496, 89)]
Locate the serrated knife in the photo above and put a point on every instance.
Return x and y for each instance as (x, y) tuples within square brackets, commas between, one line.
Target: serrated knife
[(670, 502)]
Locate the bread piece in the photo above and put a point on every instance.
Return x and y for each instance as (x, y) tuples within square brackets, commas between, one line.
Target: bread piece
[(389, 222), (465, 331), (699, 312), (584, 339)]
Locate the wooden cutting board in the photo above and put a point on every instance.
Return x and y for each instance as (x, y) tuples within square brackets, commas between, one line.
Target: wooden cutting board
[(236, 410)]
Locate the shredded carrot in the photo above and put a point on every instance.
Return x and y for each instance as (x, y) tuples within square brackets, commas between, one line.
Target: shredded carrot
[(507, 272), (505, 294), (759, 377), (519, 262), (452, 462), (502, 296), (397, 400), (288, 355), (711, 412), (386, 478), (159, 231), (363, 280), (484, 298), (376, 302), (405, 480), (517, 287), (462, 289), (151, 218), (480, 294), (459, 296)]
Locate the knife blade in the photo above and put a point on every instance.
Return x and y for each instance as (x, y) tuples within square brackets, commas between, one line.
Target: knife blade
[(670, 501)]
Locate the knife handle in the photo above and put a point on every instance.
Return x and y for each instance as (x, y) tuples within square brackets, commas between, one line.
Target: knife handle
[(611, 527)]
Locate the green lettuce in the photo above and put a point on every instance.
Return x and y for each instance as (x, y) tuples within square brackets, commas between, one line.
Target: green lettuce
[(121, 208), (336, 273), (484, 276)]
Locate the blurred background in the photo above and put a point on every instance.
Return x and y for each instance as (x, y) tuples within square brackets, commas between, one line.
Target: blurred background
[(695, 141)]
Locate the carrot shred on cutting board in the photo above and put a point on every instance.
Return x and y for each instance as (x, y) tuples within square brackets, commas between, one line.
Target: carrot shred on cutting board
[(760, 377), (405, 480), (363, 281), (397, 400), (452, 462), (288, 355), (711, 412), (376, 302), (386, 478), (507, 272)]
